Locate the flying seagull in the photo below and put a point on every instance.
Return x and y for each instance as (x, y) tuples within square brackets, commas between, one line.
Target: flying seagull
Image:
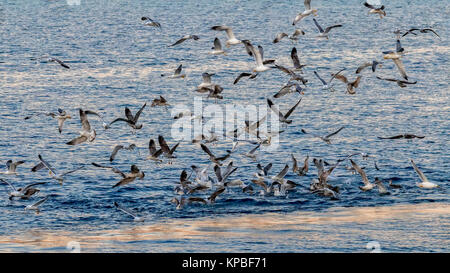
[(287, 89), (350, 85), (217, 48), (374, 10), (177, 74), (36, 205), (400, 83), (328, 85), (153, 153), (127, 178), (245, 74), (425, 183), (117, 148), (206, 83), (22, 193), (367, 185), (296, 60), (283, 118), (186, 37), (87, 133), (290, 72), (44, 164), (325, 138), (421, 30), (161, 101), (11, 167), (130, 119), (324, 33), (372, 64), (300, 171), (55, 60), (61, 116), (308, 11), (167, 152), (258, 55), (129, 212), (230, 35), (403, 136), (150, 22), (212, 157)]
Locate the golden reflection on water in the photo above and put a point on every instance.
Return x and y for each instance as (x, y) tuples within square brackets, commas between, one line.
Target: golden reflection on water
[(419, 227)]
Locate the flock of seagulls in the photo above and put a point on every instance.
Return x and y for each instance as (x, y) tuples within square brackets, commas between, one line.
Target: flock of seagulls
[(191, 188)]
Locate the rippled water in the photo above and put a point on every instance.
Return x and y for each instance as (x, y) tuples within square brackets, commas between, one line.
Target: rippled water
[(116, 62)]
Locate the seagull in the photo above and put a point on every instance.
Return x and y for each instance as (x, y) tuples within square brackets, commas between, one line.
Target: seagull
[(325, 138), (167, 152), (252, 153), (296, 60), (35, 206), (186, 37), (215, 92), (258, 56), (421, 30), (280, 176), (245, 74), (327, 85), (290, 72), (395, 57), (212, 198), (287, 89), (129, 212), (381, 188), (223, 176), (400, 83), (177, 74), (161, 101), (206, 83), (324, 34), (23, 193), (87, 133), (44, 164), (405, 136), (61, 116), (117, 148), (367, 185), (184, 183), (54, 60), (394, 186), (320, 185), (300, 171), (127, 178), (217, 48), (231, 38), (154, 154), (150, 22), (279, 37), (350, 85), (308, 11), (130, 119), (214, 158), (283, 118), (249, 128), (11, 167), (374, 10), (372, 64), (425, 183)]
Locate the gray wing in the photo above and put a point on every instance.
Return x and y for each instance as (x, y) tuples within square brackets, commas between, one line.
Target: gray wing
[(127, 211), (178, 70), (419, 172), (217, 44), (318, 26), (401, 68), (46, 164), (84, 121), (307, 4), (77, 140), (322, 80), (331, 27), (74, 170), (283, 172), (11, 185), (116, 149), (295, 59), (361, 172), (275, 109), (32, 185), (40, 201), (292, 109), (334, 133)]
